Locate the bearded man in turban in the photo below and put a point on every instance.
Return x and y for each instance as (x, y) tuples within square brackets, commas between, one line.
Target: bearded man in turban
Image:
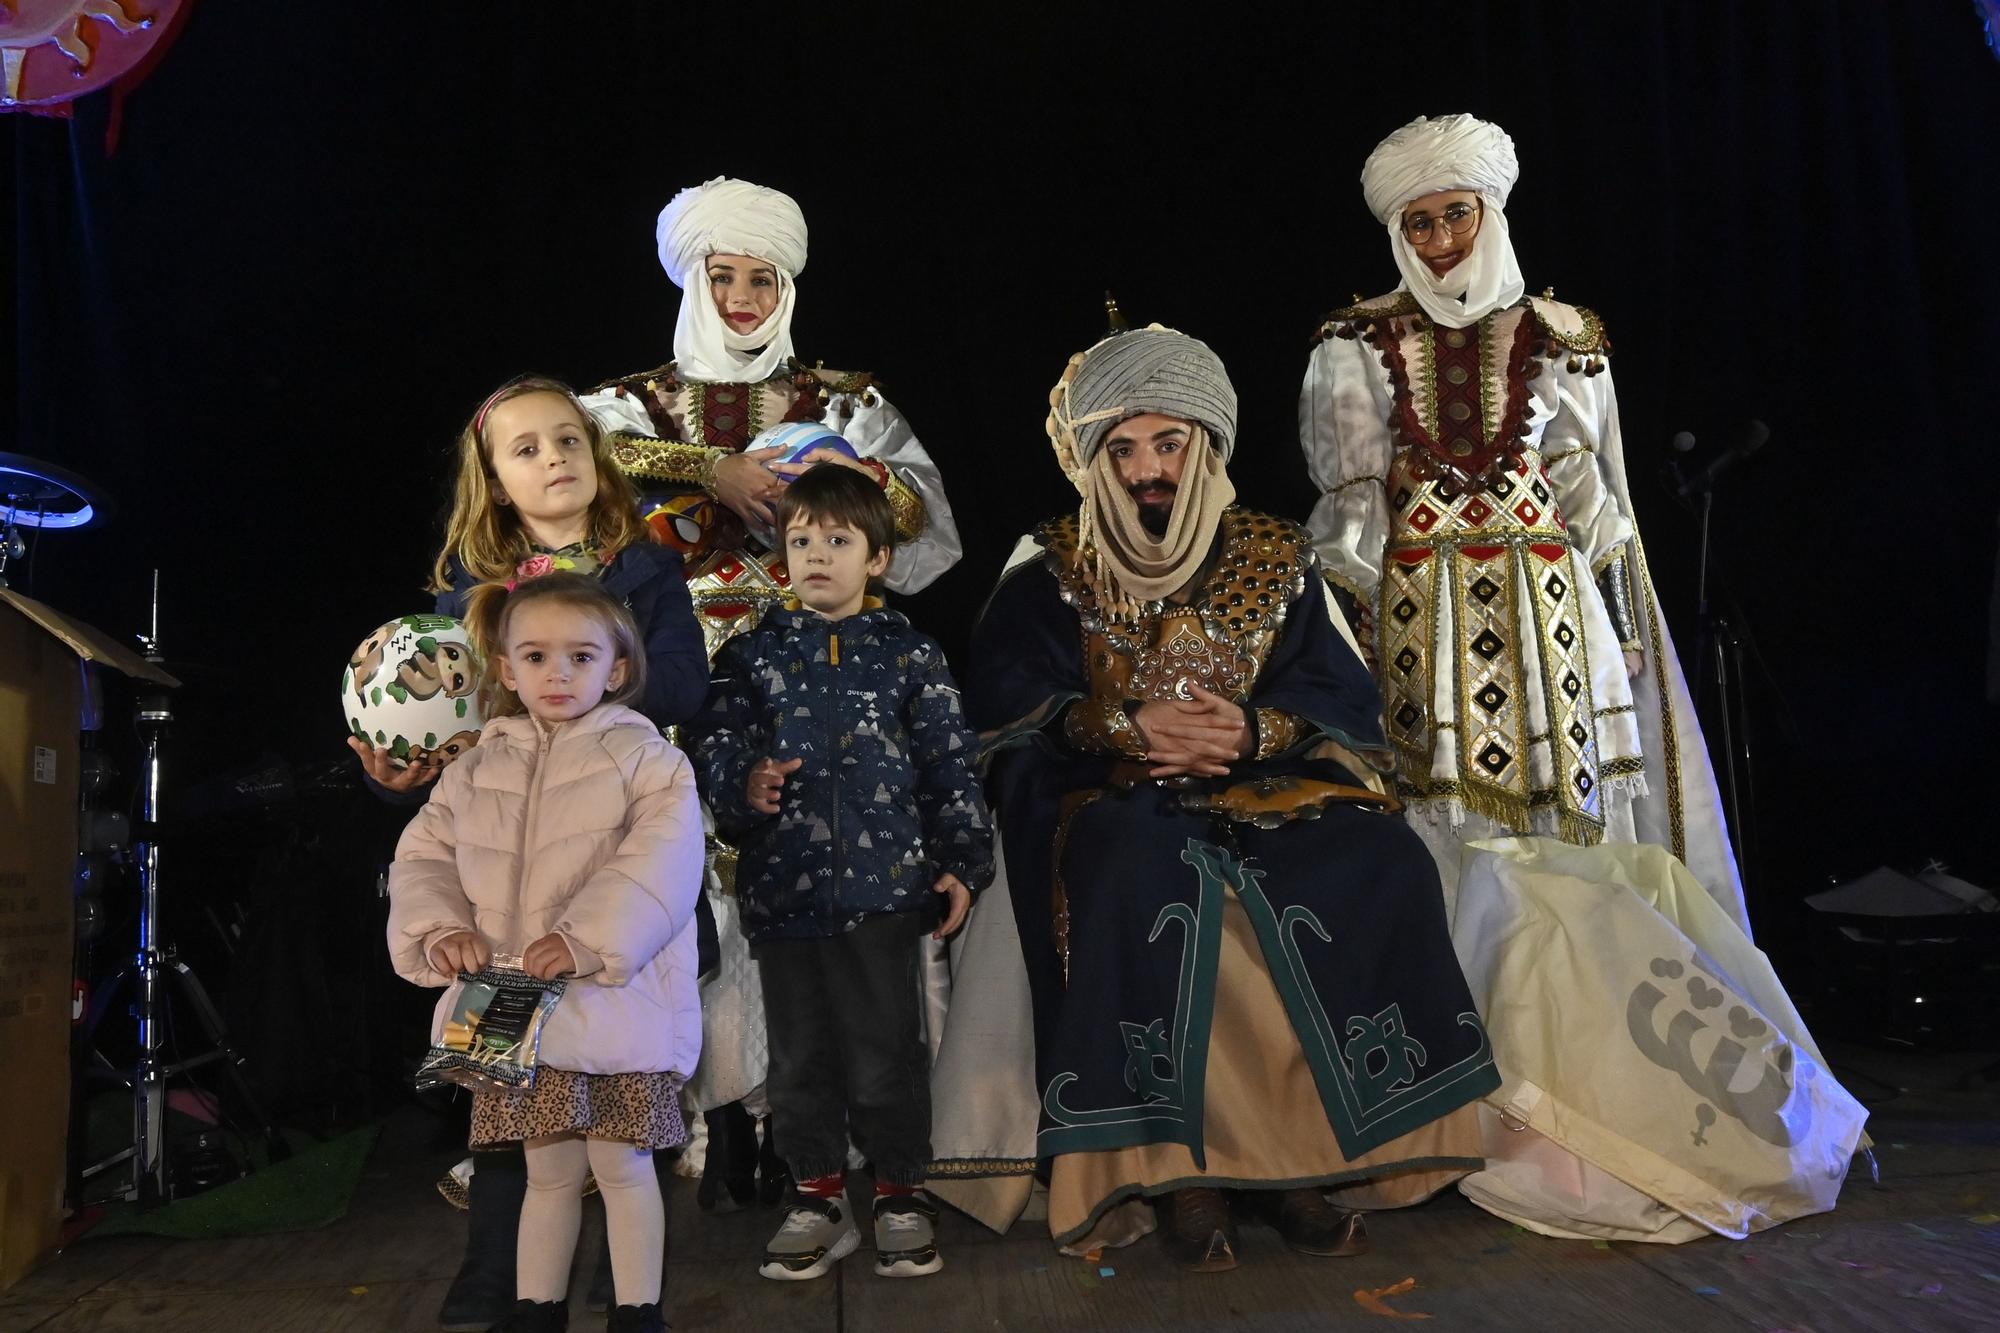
[(1475, 518), (1238, 960)]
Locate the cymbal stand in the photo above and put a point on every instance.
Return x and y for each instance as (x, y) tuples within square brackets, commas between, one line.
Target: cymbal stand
[(150, 1181)]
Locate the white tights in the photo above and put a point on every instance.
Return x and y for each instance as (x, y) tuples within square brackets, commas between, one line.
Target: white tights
[(634, 1215)]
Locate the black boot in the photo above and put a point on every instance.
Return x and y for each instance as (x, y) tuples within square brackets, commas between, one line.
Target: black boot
[(729, 1176), (772, 1173), (483, 1292), (1310, 1224), (636, 1319), (1199, 1233), (535, 1317)]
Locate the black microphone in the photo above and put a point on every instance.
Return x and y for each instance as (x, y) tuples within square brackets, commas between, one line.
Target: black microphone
[(1755, 435), (1681, 446)]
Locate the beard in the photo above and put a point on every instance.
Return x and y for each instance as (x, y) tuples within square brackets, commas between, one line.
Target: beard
[(1156, 505)]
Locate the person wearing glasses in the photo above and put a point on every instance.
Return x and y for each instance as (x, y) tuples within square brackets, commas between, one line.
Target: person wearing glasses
[(1474, 520)]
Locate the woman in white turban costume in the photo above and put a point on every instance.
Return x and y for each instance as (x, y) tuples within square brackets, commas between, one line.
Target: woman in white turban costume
[(1657, 1084), (736, 251), (682, 431), (1465, 441)]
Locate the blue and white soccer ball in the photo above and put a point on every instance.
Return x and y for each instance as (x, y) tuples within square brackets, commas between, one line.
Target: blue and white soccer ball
[(799, 438)]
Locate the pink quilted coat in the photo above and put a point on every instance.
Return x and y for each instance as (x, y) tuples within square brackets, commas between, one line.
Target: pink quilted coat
[(592, 831)]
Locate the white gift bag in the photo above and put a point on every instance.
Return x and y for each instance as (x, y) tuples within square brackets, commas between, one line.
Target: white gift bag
[(1657, 1083)]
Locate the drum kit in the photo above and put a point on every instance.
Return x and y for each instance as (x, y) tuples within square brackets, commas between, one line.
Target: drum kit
[(43, 498)]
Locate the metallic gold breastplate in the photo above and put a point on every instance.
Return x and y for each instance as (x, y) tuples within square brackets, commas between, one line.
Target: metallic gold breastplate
[(1218, 639)]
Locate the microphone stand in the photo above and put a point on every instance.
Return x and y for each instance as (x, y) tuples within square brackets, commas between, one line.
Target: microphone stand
[(1719, 656)]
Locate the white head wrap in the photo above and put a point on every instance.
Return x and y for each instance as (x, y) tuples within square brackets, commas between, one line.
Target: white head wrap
[(1449, 153), (730, 217)]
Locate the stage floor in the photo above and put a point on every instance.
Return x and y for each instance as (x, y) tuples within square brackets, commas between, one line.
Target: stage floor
[(1921, 1251)]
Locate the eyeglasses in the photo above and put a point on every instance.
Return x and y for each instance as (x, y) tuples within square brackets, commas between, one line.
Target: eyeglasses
[(1457, 220)]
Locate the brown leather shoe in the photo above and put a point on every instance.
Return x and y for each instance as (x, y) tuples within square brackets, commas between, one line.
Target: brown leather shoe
[(1199, 1233), (1311, 1225)]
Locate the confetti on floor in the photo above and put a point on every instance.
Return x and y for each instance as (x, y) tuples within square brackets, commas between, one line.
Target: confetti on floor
[(1373, 1301)]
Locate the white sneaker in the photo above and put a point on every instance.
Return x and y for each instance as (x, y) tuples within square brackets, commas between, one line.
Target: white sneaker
[(817, 1234), (906, 1236)]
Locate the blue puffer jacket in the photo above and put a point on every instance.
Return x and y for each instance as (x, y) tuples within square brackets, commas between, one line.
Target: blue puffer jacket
[(887, 799)]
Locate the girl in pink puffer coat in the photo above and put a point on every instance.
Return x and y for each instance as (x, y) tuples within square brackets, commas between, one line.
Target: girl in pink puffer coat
[(571, 836)]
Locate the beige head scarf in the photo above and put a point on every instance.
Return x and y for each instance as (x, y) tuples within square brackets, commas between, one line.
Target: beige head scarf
[(1449, 153), (1153, 369), (730, 217)]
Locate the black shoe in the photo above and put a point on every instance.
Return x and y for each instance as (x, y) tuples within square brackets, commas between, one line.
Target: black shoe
[(637, 1319), (772, 1173), (535, 1317), (729, 1175), (483, 1292), (1311, 1225), (1200, 1234)]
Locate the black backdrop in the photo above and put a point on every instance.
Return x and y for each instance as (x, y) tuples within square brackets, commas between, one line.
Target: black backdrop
[(329, 230)]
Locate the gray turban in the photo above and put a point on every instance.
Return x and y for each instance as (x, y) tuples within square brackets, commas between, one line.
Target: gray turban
[(1152, 369)]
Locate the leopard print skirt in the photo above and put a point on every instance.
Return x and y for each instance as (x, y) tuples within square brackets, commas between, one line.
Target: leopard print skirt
[(641, 1109)]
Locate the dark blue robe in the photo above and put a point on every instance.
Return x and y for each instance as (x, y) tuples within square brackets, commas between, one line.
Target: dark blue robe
[(1347, 907)]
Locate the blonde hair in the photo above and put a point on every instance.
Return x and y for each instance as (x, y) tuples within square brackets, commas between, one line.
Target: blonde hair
[(488, 537), (490, 609)]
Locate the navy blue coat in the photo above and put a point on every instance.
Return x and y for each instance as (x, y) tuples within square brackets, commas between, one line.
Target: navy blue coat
[(887, 799), (652, 583)]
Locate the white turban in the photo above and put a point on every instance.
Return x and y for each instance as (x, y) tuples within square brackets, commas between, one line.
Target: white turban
[(1449, 153), (730, 217)]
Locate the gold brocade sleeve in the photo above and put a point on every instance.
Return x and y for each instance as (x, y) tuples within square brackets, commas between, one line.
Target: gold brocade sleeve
[(1101, 726), (665, 460), (909, 508), (1277, 732)]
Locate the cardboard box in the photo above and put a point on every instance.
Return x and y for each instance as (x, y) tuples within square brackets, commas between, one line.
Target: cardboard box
[(43, 656)]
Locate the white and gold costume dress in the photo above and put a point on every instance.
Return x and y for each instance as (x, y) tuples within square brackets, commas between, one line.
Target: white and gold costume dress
[(1473, 501)]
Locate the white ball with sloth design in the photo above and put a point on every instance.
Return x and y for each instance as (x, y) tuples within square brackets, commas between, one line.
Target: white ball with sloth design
[(412, 688)]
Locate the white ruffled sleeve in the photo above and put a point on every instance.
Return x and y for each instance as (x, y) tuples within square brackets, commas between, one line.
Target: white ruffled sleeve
[(619, 412), (877, 430), (1580, 443), (1344, 429)]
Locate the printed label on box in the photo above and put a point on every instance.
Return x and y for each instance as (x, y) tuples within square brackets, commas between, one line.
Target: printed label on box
[(45, 764)]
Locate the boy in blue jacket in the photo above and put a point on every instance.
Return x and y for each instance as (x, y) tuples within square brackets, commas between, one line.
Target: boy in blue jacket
[(834, 755)]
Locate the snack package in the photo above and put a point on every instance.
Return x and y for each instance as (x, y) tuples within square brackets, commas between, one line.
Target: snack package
[(494, 1031)]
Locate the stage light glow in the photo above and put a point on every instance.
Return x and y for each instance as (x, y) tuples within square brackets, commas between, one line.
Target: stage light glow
[(35, 494)]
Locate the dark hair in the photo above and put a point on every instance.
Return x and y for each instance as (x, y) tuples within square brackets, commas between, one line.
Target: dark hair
[(845, 496), (490, 609)]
